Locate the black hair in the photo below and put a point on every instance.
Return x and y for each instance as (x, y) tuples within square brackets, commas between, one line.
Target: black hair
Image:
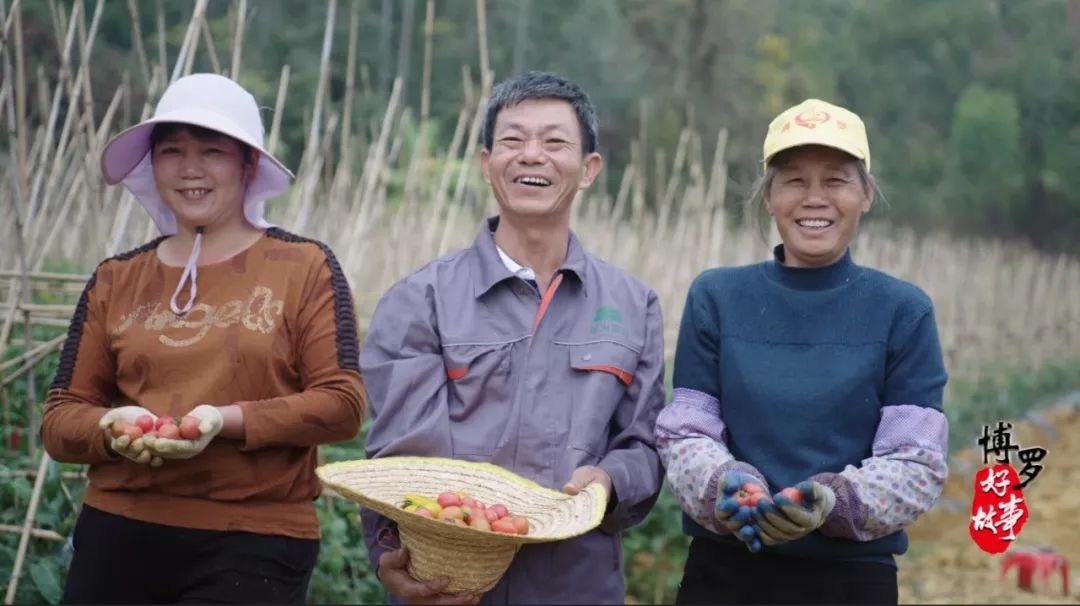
[(164, 130), (542, 85)]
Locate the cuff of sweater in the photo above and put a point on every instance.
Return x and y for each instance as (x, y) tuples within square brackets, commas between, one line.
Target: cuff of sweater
[(739, 466), (848, 517), (256, 434)]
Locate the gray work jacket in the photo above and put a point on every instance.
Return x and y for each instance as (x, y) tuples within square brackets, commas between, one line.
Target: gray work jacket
[(463, 359)]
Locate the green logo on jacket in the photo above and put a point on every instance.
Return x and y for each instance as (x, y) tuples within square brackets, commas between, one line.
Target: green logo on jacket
[(607, 320)]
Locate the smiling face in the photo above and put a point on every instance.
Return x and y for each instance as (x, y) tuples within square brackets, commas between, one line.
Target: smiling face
[(537, 162), (202, 178), (817, 197)]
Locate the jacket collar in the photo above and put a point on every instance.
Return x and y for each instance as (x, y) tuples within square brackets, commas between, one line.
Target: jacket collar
[(490, 270)]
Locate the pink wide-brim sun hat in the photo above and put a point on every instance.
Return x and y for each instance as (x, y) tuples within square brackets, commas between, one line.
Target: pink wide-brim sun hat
[(210, 101)]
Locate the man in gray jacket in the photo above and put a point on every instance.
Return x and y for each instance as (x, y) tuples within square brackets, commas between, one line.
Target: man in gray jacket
[(525, 351)]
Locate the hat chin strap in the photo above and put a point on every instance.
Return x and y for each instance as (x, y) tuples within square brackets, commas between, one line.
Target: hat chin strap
[(191, 270)]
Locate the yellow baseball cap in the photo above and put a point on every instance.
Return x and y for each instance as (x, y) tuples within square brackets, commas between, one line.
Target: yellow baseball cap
[(816, 122)]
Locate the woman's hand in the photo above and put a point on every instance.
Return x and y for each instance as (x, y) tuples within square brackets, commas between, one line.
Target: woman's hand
[(734, 510), (123, 445), (210, 423), (784, 520)]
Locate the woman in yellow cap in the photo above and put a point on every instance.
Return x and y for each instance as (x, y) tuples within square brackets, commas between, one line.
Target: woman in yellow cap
[(806, 430), (241, 332)]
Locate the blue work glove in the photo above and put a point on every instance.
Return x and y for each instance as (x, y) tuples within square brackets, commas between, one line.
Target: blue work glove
[(793, 515), (733, 508)]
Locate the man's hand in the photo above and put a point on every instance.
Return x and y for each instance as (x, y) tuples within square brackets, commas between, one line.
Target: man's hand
[(785, 520), (210, 424), (734, 510), (133, 450), (585, 475), (394, 574)]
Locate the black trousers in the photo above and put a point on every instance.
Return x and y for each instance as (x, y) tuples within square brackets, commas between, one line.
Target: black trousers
[(721, 573), (122, 561)]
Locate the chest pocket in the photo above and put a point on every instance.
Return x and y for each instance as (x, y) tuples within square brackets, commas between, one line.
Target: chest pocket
[(479, 384), (601, 372)]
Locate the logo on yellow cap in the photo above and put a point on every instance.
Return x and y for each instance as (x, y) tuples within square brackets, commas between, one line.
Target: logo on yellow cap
[(810, 119), (816, 122)]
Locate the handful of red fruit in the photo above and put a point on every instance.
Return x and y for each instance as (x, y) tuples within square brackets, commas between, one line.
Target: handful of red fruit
[(741, 501), (460, 509), (162, 427)]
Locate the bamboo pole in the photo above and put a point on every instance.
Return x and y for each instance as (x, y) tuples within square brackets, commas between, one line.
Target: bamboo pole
[(481, 36), (28, 526), (137, 42), (372, 168), (420, 151), (159, 23), (279, 108), (37, 533), (324, 74), (208, 40), (20, 104), (16, 131), (425, 91), (32, 473), (187, 49), (62, 76), (45, 276), (9, 21), (238, 41), (345, 152), (47, 308), (305, 193), (33, 354)]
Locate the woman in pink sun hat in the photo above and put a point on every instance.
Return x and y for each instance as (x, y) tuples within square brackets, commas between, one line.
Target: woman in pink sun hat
[(242, 333)]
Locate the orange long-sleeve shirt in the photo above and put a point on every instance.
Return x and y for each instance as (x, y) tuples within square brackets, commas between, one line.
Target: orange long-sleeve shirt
[(273, 330)]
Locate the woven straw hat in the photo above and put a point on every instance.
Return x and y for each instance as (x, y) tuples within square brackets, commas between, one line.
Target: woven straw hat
[(474, 560)]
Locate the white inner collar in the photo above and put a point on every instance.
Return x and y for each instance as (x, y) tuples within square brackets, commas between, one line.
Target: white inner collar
[(525, 273)]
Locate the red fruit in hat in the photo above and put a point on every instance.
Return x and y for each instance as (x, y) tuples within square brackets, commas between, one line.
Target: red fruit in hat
[(424, 512), (500, 510), (448, 499), (480, 523), (504, 526), (521, 524), (452, 512)]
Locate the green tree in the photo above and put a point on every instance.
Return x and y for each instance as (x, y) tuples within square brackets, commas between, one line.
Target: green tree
[(985, 156)]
